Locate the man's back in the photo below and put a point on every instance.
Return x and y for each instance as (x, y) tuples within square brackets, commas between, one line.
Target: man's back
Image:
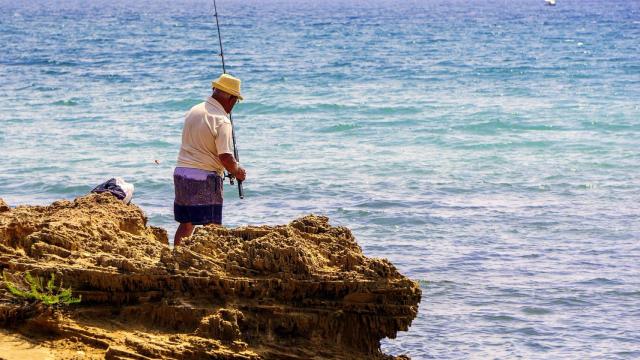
[(205, 135)]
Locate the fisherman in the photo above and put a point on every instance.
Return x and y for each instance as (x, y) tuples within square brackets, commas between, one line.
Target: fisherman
[(205, 153)]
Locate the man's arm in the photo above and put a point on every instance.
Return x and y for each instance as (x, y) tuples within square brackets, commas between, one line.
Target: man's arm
[(224, 145), (229, 163)]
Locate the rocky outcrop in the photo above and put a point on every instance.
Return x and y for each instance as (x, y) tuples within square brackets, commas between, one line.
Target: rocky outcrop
[(297, 291), (3, 206)]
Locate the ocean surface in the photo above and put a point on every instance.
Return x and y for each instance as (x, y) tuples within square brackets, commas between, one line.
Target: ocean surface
[(489, 149)]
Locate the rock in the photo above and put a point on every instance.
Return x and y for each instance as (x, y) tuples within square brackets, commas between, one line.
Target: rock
[(3, 206), (222, 325), (291, 291)]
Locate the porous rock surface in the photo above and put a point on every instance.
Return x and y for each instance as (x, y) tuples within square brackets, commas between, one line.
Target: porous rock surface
[(297, 291)]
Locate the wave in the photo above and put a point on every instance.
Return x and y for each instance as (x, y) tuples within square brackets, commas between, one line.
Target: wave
[(264, 108), (339, 128), (174, 105), (69, 102), (491, 127)]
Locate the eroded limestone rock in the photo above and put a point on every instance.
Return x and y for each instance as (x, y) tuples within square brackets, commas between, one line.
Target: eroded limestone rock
[(292, 291), (3, 206)]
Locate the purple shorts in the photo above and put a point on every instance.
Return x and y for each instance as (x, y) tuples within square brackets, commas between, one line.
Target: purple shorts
[(198, 196)]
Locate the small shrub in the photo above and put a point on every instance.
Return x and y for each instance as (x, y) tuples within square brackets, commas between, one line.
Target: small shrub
[(49, 294)]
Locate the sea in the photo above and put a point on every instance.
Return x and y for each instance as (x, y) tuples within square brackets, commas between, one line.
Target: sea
[(488, 149)]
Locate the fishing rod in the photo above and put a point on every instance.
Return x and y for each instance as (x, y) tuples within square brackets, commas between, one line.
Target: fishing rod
[(233, 128)]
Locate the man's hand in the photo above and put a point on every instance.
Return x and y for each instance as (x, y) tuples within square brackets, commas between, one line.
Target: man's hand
[(229, 163), (240, 174)]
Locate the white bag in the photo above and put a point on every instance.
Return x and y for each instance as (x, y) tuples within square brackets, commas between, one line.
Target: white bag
[(127, 188)]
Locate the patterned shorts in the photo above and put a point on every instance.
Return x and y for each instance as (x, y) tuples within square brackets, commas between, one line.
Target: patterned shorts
[(198, 196)]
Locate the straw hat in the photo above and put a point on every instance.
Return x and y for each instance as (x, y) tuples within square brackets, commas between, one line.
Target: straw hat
[(228, 84)]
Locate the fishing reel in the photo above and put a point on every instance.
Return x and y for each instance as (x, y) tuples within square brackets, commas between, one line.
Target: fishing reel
[(232, 182), (231, 178)]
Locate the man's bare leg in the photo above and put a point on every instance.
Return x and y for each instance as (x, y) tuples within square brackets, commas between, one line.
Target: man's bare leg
[(184, 230)]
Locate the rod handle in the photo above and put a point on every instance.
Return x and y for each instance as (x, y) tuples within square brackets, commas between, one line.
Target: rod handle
[(240, 190)]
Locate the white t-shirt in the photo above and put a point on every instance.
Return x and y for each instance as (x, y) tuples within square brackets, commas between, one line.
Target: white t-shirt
[(205, 135)]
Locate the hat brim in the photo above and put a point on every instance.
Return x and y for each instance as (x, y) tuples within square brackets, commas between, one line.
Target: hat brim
[(217, 85)]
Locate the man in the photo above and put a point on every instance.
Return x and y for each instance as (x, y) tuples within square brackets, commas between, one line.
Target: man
[(206, 151)]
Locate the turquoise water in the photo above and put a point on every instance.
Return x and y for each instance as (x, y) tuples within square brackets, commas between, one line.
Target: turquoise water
[(488, 149)]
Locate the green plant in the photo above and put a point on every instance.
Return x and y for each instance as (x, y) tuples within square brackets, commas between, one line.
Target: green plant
[(48, 294)]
